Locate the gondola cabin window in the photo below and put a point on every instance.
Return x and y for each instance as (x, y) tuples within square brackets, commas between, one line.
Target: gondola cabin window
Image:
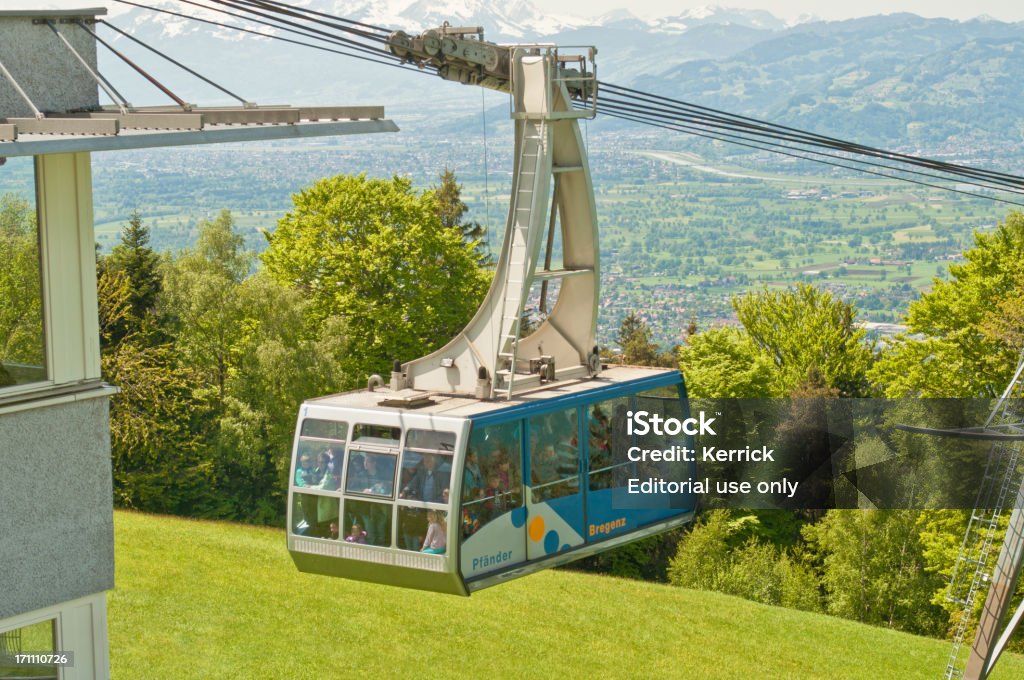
[(493, 479), (666, 404), (554, 455), (425, 486), (319, 462), (607, 442)]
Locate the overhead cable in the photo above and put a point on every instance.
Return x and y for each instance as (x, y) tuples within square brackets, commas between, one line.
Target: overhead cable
[(172, 60), (709, 135), (645, 114), (270, 35)]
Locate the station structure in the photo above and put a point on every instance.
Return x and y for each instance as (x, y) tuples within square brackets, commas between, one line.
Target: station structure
[(57, 533)]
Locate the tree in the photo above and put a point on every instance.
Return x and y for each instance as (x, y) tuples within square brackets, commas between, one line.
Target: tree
[(724, 363), (374, 253), (703, 555), (792, 341), (451, 208), (157, 422), (1005, 323), (726, 554), (635, 341), (201, 299), (964, 337), (277, 363), (140, 263), (874, 570), (205, 418), (805, 333)]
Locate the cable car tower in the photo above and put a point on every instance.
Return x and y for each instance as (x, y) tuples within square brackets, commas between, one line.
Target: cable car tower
[(971, 572), (551, 188)]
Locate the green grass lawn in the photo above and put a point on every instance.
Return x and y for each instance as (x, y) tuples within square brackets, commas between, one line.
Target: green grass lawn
[(212, 600)]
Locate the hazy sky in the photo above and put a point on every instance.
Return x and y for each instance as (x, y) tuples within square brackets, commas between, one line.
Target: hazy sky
[(1005, 10)]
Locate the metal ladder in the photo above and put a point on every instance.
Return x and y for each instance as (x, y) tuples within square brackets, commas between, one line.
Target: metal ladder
[(971, 574), (533, 141)]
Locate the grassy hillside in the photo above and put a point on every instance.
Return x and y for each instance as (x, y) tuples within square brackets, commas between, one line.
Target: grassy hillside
[(209, 600)]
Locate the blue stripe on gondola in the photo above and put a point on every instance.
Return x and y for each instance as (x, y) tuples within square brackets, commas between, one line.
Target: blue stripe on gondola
[(550, 404)]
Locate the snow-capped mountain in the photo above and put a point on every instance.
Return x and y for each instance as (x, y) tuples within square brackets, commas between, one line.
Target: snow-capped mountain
[(517, 19), (714, 14)]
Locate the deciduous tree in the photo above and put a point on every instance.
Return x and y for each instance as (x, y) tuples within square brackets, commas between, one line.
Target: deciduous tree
[(724, 363), (807, 332), (964, 337), (874, 570), (374, 253), (201, 299)]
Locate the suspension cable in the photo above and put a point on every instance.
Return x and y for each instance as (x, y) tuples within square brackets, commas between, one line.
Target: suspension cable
[(630, 104), (177, 100), (174, 61), (277, 23), (271, 36), (708, 135), (304, 14), (283, 24), (839, 144), (626, 107)]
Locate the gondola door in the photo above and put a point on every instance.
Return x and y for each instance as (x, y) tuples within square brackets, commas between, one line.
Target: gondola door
[(555, 499)]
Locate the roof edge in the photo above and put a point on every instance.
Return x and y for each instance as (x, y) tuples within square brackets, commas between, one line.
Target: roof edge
[(30, 13)]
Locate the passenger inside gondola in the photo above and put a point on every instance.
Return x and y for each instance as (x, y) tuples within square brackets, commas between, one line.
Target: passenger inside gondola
[(472, 477), (436, 540), (412, 526), (544, 465), (305, 475), (428, 482), (326, 514), (331, 465), (599, 430), (496, 499), (357, 480), (378, 481), (356, 535), (372, 518)]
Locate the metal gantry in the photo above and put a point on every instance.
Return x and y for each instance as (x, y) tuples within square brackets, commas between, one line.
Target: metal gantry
[(972, 572), (493, 357)]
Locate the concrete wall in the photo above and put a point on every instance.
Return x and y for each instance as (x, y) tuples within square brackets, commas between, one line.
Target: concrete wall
[(43, 66), (56, 508)]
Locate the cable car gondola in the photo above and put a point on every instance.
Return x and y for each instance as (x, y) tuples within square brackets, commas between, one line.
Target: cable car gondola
[(516, 485)]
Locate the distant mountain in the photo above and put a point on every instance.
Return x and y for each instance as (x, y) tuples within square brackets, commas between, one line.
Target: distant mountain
[(517, 19), (887, 79), (722, 16), (896, 78)]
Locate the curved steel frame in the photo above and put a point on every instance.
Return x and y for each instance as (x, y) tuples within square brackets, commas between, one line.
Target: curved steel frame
[(549, 150)]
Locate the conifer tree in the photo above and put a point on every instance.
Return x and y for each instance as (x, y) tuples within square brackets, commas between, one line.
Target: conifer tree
[(451, 208), (140, 265)]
